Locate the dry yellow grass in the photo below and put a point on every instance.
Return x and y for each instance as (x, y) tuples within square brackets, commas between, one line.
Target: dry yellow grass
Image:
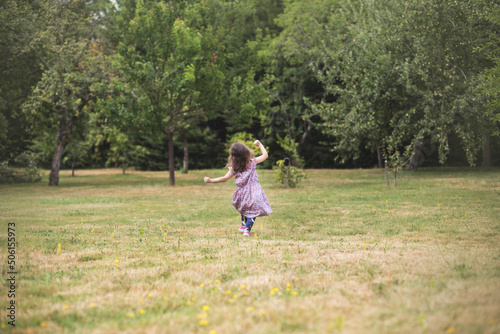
[(341, 253)]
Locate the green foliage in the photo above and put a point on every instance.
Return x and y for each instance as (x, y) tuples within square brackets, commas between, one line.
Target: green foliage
[(64, 37), (290, 57), (123, 152), (489, 82), (290, 147), (25, 170), (160, 59), (327, 81), (205, 149), (401, 70), (287, 174), (19, 71), (3, 133), (171, 66), (244, 138)]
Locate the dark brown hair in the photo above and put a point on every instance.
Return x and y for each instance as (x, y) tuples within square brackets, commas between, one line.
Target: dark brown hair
[(239, 156)]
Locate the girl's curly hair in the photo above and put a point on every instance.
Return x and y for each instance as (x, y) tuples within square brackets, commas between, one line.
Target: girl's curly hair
[(239, 156)]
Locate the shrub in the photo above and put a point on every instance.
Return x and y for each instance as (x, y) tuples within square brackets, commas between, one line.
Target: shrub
[(287, 174), (25, 170)]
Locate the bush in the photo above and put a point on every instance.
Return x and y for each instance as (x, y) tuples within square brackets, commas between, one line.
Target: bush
[(25, 170), (295, 175)]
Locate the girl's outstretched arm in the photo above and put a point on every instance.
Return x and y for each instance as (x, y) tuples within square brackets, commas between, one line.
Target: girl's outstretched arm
[(264, 155), (219, 179)]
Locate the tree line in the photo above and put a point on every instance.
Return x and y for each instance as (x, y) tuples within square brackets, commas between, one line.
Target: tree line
[(327, 83)]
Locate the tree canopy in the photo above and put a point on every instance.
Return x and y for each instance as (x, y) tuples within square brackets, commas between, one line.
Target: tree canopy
[(328, 83)]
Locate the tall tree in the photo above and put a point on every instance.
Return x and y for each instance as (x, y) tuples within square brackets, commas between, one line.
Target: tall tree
[(401, 70), (20, 71), (489, 85), (163, 58), (291, 58), (63, 35)]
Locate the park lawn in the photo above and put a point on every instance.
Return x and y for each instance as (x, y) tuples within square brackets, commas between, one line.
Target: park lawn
[(341, 253)]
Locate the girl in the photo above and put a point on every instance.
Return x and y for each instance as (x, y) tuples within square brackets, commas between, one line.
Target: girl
[(249, 198)]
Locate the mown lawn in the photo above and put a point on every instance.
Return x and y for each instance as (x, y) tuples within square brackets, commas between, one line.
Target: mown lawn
[(341, 253)]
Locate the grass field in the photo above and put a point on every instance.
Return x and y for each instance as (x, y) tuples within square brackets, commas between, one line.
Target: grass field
[(340, 254)]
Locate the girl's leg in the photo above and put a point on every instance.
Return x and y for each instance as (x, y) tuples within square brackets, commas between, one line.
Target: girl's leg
[(249, 223), (242, 227)]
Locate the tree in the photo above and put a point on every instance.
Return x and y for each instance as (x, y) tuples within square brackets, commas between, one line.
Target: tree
[(162, 58), (400, 71), (63, 35), (123, 152), (291, 58), (489, 85), (19, 70)]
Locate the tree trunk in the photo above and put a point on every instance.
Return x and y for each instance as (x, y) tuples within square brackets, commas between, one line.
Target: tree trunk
[(63, 134), (125, 164), (73, 167), (415, 156), (486, 152), (56, 161), (186, 154), (379, 157), (171, 163), (387, 174)]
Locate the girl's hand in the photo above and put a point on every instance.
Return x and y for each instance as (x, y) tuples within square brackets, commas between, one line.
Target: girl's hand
[(257, 143), (207, 180)]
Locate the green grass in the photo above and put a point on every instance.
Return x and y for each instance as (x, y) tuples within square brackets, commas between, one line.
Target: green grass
[(340, 253)]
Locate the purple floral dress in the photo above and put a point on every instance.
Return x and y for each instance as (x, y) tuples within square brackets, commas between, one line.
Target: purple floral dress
[(249, 198)]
